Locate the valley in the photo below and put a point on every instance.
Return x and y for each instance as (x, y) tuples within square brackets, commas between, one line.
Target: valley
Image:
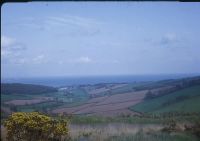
[(107, 99), (153, 110)]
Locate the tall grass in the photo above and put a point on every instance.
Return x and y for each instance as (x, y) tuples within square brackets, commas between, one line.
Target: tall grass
[(144, 119), (141, 136), (118, 132)]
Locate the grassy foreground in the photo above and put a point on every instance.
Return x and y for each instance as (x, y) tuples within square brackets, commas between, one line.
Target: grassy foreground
[(129, 128), (127, 132)]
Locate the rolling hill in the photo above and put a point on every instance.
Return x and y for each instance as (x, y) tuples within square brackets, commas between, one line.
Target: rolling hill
[(112, 99), (19, 88), (185, 100)]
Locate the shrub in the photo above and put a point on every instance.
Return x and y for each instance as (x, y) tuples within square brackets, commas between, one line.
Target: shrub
[(34, 126), (170, 126), (195, 128)]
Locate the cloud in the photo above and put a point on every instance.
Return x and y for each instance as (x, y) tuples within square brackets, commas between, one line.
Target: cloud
[(87, 60), (84, 60), (166, 40), (80, 60), (72, 20), (11, 50), (75, 25), (108, 61), (19, 61), (60, 62), (11, 44), (169, 39), (39, 59), (7, 41)]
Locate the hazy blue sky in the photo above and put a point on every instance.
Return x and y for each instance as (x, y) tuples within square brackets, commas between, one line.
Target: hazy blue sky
[(99, 38)]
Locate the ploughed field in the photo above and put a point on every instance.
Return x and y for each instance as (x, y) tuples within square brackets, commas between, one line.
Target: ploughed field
[(29, 102), (107, 105)]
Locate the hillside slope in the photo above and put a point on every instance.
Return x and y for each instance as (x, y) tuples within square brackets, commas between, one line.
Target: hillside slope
[(18, 88), (185, 100)]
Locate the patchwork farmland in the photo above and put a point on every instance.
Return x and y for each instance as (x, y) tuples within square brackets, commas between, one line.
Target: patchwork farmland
[(116, 111)]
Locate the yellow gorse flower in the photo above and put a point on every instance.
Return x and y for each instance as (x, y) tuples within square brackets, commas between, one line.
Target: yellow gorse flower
[(24, 126)]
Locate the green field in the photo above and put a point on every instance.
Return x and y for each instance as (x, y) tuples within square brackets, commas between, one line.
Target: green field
[(78, 96), (185, 100), (39, 107), (5, 97)]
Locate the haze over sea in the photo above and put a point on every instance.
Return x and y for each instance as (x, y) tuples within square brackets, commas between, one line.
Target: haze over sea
[(79, 80)]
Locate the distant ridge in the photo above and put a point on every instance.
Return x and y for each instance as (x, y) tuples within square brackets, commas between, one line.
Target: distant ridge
[(19, 88), (92, 80)]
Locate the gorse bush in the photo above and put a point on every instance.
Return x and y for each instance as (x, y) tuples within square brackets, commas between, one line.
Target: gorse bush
[(34, 126)]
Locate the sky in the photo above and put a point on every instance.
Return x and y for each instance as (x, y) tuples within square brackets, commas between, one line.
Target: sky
[(99, 38)]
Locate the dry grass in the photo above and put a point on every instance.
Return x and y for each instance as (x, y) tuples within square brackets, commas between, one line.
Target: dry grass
[(117, 112), (3, 133), (6, 109), (102, 132)]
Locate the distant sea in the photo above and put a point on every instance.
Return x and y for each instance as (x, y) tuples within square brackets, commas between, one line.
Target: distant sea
[(68, 81)]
